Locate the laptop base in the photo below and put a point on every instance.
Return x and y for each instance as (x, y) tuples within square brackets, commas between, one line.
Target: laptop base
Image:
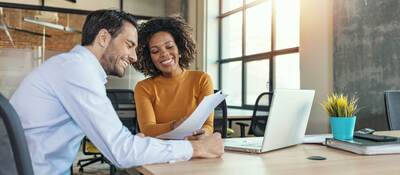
[(247, 144)]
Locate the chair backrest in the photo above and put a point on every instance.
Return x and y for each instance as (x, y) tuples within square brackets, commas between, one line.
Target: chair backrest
[(260, 114), (392, 104), (15, 158), (221, 118), (123, 101), (88, 148)]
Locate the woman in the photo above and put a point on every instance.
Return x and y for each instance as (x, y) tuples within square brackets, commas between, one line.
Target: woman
[(172, 92)]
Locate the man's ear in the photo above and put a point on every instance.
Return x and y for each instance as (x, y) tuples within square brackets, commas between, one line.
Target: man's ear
[(103, 38)]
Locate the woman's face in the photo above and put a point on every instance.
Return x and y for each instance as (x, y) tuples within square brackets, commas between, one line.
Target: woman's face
[(165, 54)]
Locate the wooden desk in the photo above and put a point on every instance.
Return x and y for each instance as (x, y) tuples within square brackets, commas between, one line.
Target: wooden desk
[(289, 161)]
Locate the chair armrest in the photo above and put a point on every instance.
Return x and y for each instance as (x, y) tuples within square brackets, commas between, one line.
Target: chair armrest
[(242, 128)]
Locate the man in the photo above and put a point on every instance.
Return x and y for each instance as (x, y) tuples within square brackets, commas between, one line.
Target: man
[(65, 98)]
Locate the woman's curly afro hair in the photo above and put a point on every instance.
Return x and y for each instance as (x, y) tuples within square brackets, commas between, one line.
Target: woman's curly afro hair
[(180, 31)]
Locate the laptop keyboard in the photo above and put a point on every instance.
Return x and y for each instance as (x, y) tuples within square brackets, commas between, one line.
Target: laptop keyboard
[(252, 144), (255, 142)]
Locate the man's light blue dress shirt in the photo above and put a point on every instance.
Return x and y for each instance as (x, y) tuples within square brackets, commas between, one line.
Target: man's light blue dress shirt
[(64, 99)]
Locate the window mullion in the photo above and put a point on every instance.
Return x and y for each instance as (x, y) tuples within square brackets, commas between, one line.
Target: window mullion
[(244, 79), (273, 41), (220, 46)]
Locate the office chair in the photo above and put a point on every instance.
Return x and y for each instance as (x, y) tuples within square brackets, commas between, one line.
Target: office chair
[(15, 157), (221, 118), (90, 150), (259, 117), (392, 106), (123, 102)]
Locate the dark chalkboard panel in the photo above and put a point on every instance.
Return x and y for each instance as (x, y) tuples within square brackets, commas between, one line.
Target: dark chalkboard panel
[(367, 54)]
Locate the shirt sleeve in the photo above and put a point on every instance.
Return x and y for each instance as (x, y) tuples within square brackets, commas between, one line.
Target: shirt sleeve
[(144, 108), (84, 98), (207, 88)]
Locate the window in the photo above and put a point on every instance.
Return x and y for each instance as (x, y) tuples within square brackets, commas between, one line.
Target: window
[(258, 48)]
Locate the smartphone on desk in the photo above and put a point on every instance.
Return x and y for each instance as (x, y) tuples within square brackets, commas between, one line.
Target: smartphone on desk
[(376, 138)]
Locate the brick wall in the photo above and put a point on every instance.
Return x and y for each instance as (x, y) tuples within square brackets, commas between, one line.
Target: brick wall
[(58, 41)]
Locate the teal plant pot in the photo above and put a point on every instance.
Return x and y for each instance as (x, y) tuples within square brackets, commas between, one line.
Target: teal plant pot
[(342, 127)]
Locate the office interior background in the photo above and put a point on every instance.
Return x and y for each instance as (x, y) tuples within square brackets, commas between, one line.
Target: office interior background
[(247, 46)]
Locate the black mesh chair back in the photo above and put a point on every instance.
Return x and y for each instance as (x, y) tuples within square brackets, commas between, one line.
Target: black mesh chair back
[(14, 153), (123, 101), (392, 104), (260, 114), (221, 118)]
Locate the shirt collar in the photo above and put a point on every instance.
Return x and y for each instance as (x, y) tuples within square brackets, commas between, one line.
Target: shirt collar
[(89, 56)]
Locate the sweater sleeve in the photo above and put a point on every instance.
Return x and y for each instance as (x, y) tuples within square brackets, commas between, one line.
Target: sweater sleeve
[(207, 88), (145, 113)]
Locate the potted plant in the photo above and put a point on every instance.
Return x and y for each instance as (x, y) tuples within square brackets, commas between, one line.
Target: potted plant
[(342, 112)]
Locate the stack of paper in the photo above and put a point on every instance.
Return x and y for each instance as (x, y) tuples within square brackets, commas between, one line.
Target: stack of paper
[(316, 138), (196, 120)]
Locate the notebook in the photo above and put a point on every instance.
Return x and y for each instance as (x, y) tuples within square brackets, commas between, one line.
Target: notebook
[(363, 146), (286, 126)]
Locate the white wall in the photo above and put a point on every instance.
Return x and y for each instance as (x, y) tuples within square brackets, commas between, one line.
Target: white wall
[(145, 7), (15, 64), (129, 81), (316, 55), (196, 13), (84, 5)]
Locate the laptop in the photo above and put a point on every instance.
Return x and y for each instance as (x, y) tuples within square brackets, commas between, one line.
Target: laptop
[(286, 125)]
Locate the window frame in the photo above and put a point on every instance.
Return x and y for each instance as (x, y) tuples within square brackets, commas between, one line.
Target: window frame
[(269, 55)]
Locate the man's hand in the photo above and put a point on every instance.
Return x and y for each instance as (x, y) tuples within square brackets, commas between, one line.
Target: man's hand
[(208, 147)]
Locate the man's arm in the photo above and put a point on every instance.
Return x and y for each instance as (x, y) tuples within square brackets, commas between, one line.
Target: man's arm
[(85, 100)]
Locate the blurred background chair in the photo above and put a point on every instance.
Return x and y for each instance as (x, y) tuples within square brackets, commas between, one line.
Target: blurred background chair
[(221, 118), (392, 106), (260, 116), (123, 103), (15, 157), (89, 149)]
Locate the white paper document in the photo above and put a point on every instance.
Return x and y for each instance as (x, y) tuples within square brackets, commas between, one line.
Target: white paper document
[(196, 120)]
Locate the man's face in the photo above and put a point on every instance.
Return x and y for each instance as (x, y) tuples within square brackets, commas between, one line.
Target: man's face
[(121, 51)]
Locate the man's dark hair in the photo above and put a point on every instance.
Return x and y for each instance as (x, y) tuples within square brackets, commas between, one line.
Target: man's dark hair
[(111, 20)]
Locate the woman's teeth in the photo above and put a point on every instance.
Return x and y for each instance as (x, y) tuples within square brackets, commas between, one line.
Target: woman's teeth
[(167, 62)]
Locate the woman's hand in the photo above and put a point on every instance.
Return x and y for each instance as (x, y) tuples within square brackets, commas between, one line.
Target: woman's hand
[(197, 135), (140, 135), (176, 123)]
